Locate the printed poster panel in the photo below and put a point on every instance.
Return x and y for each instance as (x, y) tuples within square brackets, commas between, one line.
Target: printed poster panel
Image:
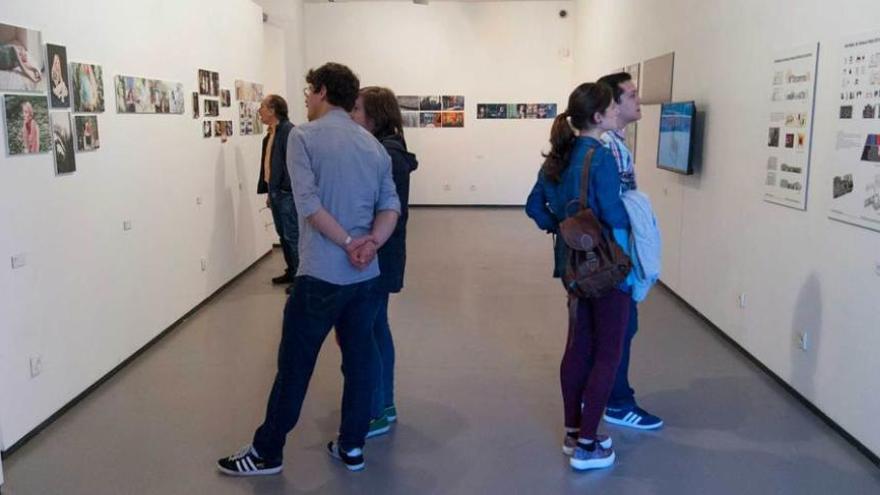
[(855, 187), (790, 124)]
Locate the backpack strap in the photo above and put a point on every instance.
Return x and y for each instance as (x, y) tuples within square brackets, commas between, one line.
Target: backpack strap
[(585, 178)]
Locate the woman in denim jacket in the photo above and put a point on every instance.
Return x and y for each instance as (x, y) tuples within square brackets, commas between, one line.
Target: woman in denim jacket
[(597, 333)]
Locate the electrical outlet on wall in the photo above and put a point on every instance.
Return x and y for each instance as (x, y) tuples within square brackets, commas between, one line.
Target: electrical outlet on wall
[(801, 340), (36, 365), (447, 187), (877, 268), (741, 300), (198, 200), (204, 264), (18, 260), (126, 225)]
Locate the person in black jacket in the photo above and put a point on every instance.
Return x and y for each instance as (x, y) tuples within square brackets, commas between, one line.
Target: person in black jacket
[(275, 180), (377, 111)]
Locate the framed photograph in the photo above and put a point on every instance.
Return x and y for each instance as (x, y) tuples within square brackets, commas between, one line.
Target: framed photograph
[(453, 102), (410, 119), (248, 91), (195, 104), (62, 143), (87, 137), (430, 119), (430, 103), (209, 83), (452, 119), (408, 102), (27, 124), (59, 78), (212, 108), (22, 65), (88, 87), (225, 98), (207, 129)]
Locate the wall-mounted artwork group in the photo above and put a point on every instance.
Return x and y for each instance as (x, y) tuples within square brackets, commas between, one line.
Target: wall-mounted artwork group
[(141, 95), (432, 111), (516, 110)]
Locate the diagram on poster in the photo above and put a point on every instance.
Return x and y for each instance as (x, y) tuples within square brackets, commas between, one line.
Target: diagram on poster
[(789, 135), (855, 187)]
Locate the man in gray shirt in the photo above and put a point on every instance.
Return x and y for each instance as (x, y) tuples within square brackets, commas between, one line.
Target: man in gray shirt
[(347, 207)]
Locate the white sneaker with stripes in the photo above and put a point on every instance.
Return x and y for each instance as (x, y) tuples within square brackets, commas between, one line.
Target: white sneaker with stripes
[(246, 462)]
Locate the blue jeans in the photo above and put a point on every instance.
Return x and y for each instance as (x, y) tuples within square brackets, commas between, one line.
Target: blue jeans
[(284, 217), (622, 395), (308, 317), (383, 362)]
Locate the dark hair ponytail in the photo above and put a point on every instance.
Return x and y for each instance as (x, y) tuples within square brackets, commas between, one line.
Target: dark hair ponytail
[(584, 102)]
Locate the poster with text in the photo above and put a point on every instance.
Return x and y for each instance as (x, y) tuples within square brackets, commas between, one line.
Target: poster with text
[(790, 124), (855, 183)]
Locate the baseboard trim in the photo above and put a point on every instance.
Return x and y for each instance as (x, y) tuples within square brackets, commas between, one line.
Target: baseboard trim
[(76, 400), (862, 448)]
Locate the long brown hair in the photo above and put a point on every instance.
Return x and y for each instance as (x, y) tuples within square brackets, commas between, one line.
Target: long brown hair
[(380, 106), (584, 102)]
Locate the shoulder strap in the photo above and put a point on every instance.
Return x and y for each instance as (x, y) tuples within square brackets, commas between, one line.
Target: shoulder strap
[(585, 178)]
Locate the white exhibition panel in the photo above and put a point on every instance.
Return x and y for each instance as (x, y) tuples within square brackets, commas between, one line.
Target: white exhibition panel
[(490, 52), (799, 271), (90, 293)]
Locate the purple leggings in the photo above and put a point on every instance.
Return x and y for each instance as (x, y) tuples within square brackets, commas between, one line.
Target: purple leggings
[(596, 333)]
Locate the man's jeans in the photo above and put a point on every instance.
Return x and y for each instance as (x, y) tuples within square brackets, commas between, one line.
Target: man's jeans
[(316, 307), (383, 364), (284, 217)]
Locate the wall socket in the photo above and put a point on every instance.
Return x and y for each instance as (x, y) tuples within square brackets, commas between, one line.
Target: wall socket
[(36, 365), (877, 268), (198, 200), (447, 187), (741, 300), (473, 187), (18, 260), (126, 225), (801, 340), (204, 264)]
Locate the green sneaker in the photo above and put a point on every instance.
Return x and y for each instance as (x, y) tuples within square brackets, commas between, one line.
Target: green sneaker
[(391, 413), (378, 426)]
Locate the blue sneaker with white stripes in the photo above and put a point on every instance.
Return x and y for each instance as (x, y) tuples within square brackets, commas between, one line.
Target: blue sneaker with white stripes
[(632, 417), (246, 462)]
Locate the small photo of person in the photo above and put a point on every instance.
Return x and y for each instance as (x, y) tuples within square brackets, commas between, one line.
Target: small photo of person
[(195, 101), (207, 129), (430, 103), (452, 119), (429, 119), (62, 141), (22, 66), (87, 137), (88, 87), (225, 98), (451, 102), (59, 80), (27, 124)]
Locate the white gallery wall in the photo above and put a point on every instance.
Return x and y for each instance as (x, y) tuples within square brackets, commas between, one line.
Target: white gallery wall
[(799, 271), (91, 294), (490, 52)]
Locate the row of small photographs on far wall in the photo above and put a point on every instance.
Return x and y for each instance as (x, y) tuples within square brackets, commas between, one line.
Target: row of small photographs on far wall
[(216, 128), (516, 110), (433, 103), (433, 119)]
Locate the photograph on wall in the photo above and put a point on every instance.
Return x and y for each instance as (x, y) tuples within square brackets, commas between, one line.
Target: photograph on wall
[(225, 98), (452, 119), (212, 108), (410, 119), (792, 83), (674, 144), (430, 119), (248, 91), (209, 83), (195, 104), (408, 102), (142, 95), (546, 110), (249, 122), (222, 128), (207, 129), (87, 136), (27, 124), (22, 66), (430, 103), (516, 110), (452, 103), (62, 143), (491, 111), (59, 79), (88, 87), (855, 187)]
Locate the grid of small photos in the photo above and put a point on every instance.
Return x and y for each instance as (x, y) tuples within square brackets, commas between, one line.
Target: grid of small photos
[(213, 98), (42, 79), (516, 110), (432, 111)]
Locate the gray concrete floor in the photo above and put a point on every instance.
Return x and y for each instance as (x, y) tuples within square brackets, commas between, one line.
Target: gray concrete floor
[(480, 329)]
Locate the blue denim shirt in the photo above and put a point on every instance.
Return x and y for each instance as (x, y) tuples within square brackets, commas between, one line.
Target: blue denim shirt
[(339, 166), (549, 203)]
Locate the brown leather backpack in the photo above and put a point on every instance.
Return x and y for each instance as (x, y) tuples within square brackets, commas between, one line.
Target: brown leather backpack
[(596, 264)]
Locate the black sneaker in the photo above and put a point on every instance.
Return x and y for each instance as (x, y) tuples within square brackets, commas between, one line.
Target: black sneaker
[(353, 459), (282, 279), (246, 462)]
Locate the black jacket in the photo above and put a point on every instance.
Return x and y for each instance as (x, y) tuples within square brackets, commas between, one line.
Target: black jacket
[(279, 178), (392, 255)]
